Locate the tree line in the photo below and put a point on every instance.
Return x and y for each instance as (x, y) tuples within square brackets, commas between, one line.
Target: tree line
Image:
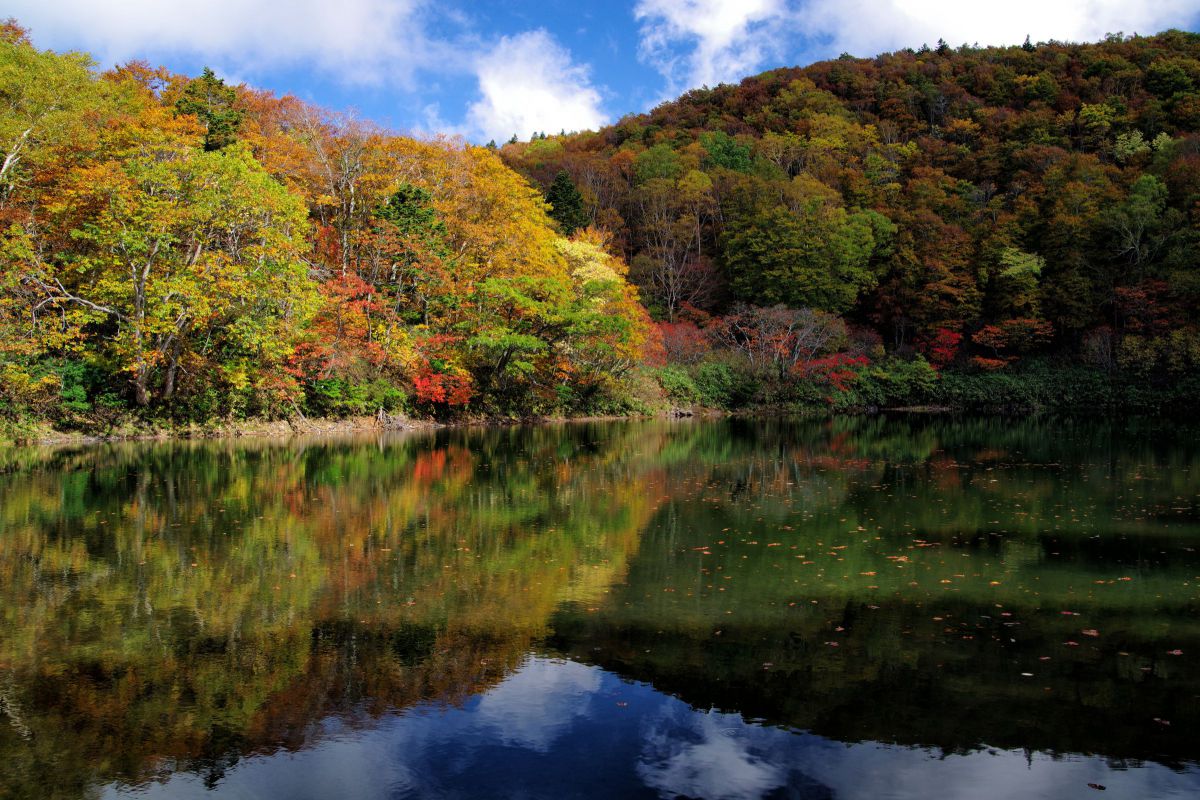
[(179, 249)]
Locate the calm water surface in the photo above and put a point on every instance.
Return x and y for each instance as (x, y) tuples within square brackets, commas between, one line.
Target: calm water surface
[(862, 608)]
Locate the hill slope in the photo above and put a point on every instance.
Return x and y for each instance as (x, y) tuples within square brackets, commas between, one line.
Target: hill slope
[(983, 204)]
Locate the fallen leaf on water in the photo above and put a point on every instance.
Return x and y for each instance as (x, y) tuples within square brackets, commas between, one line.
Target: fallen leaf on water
[(1097, 786), (1090, 632)]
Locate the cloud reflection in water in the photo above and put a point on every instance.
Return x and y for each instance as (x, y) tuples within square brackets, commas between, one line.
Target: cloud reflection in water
[(561, 729)]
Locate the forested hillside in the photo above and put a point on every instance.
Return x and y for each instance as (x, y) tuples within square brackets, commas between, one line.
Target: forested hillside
[(179, 250), (1000, 210), (1005, 228)]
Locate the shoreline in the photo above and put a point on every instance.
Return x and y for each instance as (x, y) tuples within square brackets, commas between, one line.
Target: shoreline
[(319, 426), (348, 426), (44, 435)]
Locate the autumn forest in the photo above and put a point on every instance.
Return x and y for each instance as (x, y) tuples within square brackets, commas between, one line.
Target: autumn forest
[(976, 228)]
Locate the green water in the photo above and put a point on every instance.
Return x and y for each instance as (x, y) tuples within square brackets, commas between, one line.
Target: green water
[(867, 607)]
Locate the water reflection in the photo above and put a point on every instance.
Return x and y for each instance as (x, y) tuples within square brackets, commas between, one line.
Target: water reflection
[(559, 729), (498, 612)]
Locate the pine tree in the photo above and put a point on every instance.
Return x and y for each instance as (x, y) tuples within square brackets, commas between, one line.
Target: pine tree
[(212, 102), (566, 204)]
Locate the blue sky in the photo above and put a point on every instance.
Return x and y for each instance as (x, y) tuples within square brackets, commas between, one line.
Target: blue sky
[(489, 70)]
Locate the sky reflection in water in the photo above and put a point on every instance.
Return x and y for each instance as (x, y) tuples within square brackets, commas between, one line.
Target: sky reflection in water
[(557, 728)]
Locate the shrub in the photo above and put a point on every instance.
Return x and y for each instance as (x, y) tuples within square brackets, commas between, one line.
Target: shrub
[(678, 386), (338, 397), (891, 383)]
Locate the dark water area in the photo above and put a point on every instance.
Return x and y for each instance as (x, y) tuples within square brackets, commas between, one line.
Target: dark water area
[(901, 607)]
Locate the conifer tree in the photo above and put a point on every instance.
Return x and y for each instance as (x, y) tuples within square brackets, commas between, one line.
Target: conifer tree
[(566, 204), (212, 102)]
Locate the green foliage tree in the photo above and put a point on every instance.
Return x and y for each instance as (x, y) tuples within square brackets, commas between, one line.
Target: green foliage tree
[(1141, 226), (659, 162), (566, 204), (817, 258), (726, 152), (1017, 286), (215, 105), (43, 100)]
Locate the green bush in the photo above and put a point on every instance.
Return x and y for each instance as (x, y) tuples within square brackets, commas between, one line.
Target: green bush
[(890, 383), (386, 395), (338, 397), (717, 385), (75, 383), (678, 386), (710, 384), (1037, 386), (725, 384)]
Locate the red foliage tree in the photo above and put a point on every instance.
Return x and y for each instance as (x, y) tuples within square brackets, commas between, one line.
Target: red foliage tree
[(941, 348), (836, 370), (684, 342)]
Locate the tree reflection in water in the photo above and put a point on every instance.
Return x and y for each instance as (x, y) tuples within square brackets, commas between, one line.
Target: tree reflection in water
[(197, 614)]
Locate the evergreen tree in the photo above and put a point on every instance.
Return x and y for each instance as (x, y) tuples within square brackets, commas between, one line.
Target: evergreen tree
[(410, 210), (566, 204), (212, 102)]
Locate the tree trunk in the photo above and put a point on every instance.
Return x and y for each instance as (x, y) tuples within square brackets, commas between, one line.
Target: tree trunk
[(140, 392), (172, 368), (169, 381)]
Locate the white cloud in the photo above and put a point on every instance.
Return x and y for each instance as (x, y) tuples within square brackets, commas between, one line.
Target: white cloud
[(866, 27), (705, 42), (526, 82), (728, 39), (530, 83), (715, 758), (538, 704), (359, 40)]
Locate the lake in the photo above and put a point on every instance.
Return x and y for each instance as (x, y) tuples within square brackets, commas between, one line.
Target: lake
[(874, 607)]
